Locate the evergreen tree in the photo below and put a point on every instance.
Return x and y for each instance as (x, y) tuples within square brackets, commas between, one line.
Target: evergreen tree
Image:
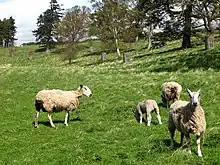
[(7, 32), (47, 25)]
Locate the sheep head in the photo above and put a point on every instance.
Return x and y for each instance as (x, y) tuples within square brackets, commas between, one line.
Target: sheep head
[(85, 90), (194, 97)]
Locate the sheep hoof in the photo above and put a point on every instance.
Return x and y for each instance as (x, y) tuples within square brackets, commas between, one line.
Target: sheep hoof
[(36, 126), (65, 124), (200, 155)]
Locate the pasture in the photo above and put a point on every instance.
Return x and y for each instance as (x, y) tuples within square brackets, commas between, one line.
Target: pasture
[(104, 129)]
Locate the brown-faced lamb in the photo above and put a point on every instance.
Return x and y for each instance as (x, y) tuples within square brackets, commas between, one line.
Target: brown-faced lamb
[(55, 100), (188, 118), (170, 92), (145, 108)]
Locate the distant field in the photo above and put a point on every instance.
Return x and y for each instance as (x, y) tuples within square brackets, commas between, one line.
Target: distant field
[(105, 131)]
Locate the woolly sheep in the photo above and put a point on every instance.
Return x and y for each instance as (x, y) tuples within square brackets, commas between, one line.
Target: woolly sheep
[(145, 108), (58, 100), (188, 118), (170, 92)]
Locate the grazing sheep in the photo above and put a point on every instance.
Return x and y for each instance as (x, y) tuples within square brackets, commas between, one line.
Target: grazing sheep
[(145, 108), (170, 92), (57, 100), (188, 118)]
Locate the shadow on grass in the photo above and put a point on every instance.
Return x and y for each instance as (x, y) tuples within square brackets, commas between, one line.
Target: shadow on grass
[(137, 117), (98, 53), (99, 62), (157, 53), (41, 49), (167, 142), (47, 123), (201, 59)]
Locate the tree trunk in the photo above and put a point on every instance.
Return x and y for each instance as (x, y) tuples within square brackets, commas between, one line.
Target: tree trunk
[(117, 48), (150, 34), (103, 56), (209, 42), (115, 33), (11, 51), (186, 42), (70, 60)]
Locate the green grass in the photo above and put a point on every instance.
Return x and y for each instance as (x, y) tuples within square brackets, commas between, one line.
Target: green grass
[(107, 132)]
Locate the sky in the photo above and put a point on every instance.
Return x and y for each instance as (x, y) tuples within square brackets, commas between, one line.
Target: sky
[(26, 12)]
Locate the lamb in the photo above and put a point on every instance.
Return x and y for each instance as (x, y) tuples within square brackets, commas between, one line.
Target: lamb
[(170, 92), (145, 108), (55, 100), (188, 118)]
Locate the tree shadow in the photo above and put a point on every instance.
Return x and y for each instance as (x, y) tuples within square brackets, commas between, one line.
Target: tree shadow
[(202, 59), (144, 55), (157, 53), (169, 51), (98, 53), (40, 50), (98, 62)]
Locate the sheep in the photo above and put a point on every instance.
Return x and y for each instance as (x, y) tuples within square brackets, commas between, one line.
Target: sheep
[(188, 118), (58, 100), (170, 92), (145, 108)]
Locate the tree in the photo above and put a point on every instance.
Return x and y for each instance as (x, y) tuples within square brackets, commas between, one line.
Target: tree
[(74, 24), (47, 25), (108, 21), (152, 13), (7, 32), (73, 27), (208, 11), (205, 10)]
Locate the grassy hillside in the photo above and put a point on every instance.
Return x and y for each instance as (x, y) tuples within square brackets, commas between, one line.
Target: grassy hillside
[(105, 131)]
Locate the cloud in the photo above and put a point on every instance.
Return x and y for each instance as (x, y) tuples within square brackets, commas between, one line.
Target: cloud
[(26, 12)]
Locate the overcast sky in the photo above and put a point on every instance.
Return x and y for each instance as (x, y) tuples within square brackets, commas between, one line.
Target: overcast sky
[(26, 12)]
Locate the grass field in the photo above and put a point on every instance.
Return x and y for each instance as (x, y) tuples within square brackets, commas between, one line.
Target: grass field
[(105, 131)]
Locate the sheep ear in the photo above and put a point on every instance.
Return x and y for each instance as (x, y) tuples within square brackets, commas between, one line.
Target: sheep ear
[(188, 91), (81, 86), (199, 90)]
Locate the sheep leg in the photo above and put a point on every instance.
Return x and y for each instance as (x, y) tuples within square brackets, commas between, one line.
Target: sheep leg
[(36, 118), (181, 138), (141, 115), (188, 143), (172, 129), (148, 119), (172, 133), (158, 116), (141, 118), (198, 143), (50, 119), (66, 118)]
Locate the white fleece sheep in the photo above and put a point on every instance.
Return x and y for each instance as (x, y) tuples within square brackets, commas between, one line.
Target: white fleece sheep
[(170, 92), (188, 118), (145, 108), (58, 100)]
